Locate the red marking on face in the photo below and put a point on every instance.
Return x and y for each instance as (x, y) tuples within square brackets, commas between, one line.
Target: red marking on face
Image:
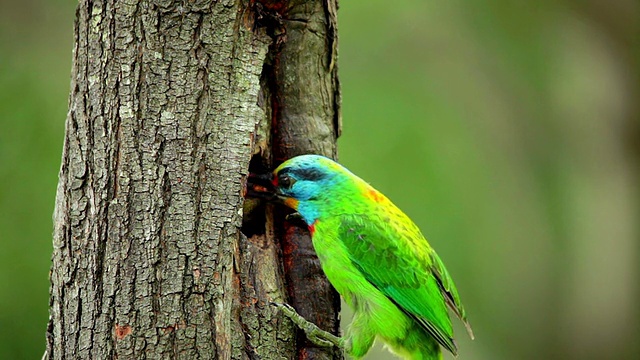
[(312, 227), (375, 195)]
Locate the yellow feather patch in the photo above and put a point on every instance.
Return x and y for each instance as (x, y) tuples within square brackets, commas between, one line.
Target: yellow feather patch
[(292, 203)]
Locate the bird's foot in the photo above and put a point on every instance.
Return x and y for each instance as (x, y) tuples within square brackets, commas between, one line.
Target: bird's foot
[(311, 330)]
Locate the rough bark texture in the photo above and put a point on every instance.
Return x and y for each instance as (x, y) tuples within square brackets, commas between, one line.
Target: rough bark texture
[(306, 114), (167, 98)]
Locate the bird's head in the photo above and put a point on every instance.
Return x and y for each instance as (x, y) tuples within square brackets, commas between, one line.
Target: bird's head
[(308, 184)]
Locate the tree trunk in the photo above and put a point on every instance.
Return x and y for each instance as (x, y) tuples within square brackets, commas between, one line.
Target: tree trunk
[(169, 101), (305, 101)]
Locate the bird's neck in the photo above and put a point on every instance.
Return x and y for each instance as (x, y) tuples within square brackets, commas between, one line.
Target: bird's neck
[(309, 212), (328, 206)]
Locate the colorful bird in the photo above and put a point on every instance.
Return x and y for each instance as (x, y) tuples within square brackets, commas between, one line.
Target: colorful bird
[(375, 257)]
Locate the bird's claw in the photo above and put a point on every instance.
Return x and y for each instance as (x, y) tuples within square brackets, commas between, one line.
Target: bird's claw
[(311, 330)]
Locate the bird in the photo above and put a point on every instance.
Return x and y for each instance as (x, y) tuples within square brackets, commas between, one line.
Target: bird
[(374, 255)]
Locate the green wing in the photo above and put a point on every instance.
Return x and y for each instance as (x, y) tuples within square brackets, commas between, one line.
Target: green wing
[(448, 289), (407, 271)]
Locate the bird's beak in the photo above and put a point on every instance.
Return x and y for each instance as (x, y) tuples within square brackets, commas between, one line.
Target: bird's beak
[(261, 186)]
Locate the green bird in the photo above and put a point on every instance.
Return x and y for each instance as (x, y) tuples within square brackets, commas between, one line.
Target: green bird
[(375, 257)]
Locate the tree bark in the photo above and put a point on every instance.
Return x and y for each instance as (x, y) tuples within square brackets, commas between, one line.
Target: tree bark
[(169, 102), (305, 105)]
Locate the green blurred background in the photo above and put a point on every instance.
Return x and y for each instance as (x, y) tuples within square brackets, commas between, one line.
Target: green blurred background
[(508, 130)]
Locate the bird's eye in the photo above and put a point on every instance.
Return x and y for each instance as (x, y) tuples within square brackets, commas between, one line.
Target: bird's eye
[(285, 181)]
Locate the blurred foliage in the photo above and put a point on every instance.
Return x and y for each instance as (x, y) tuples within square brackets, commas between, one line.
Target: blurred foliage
[(508, 130)]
